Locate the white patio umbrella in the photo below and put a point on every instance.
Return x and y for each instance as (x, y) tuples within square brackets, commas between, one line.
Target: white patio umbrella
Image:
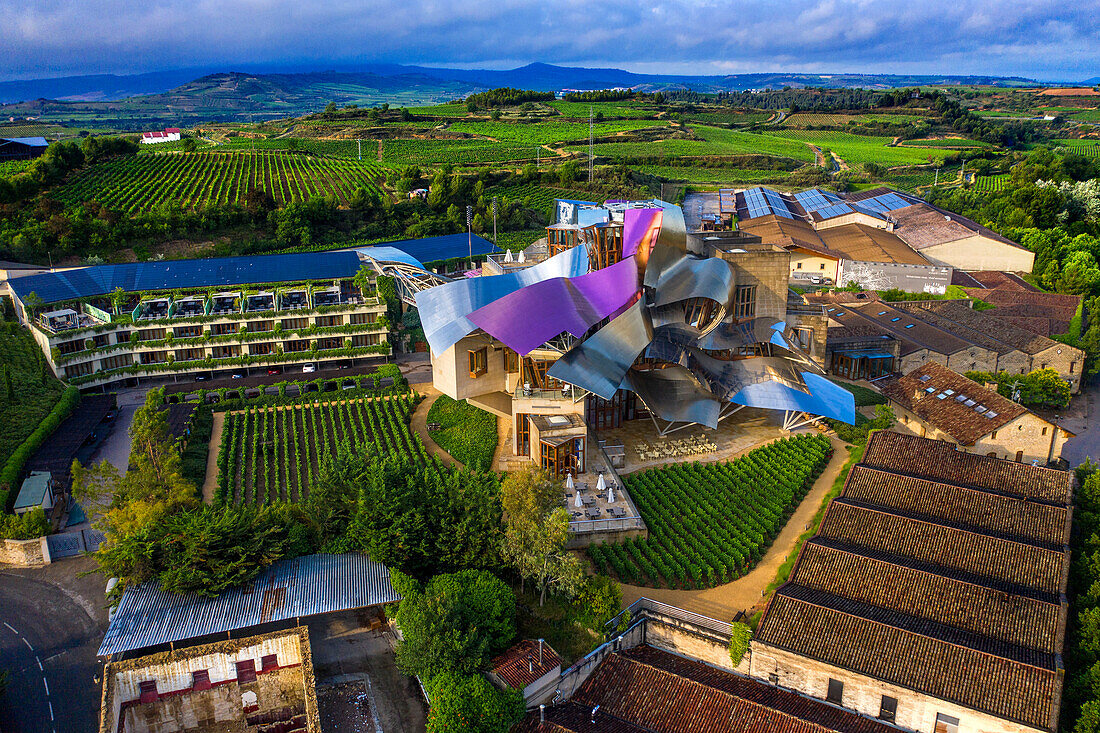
[(522, 256), (577, 501), (569, 481), (508, 256), (601, 485)]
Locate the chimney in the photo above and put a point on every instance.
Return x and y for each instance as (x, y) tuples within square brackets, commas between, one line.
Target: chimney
[(542, 713), (530, 665), (540, 652)]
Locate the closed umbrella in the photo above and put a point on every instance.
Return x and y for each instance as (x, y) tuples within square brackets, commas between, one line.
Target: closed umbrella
[(508, 256), (577, 502), (569, 481)]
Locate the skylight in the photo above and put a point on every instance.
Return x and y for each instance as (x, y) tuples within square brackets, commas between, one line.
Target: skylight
[(970, 403), (882, 313), (929, 390), (980, 409), (910, 325), (960, 398), (941, 396), (895, 319), (925, 377), (949, 392), (991, 414)]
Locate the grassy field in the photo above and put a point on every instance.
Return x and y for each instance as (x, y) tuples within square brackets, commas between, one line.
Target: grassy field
[(144, 182), (31, 397), (947, 142), (712, 175), (858, 149), (466, 432), (547, 132)]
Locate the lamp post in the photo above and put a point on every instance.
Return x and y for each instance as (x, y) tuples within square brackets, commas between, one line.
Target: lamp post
[(469, 230), (494, 221)]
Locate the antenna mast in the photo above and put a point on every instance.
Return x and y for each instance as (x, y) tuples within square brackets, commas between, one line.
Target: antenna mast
[(590, 145)]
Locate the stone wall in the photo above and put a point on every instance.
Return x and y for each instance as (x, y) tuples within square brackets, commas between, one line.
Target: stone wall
[(915, 711), (24, 552), (1032, 436)]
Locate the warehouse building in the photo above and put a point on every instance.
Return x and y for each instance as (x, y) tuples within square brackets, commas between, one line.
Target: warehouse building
[(933, 596)]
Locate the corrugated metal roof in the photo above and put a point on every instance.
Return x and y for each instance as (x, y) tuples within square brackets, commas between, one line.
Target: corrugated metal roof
[(86, 282), (445, 247), (34, 142), (303, 586)]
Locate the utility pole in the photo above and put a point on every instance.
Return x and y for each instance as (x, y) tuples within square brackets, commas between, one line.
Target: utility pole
[(590, 145), (936, 182), (360, 143), (538, 157), (469, 230), (494, 221)]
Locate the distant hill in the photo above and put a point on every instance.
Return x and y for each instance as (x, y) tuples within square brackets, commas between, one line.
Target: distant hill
[(184, 96)]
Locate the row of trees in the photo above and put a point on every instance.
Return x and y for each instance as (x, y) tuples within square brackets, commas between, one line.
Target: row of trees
[(505, 97)]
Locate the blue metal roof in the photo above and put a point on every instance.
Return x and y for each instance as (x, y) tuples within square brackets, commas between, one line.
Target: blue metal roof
[(390, 254), (86, 282), (446, 247), (34, 142), (296, 588)]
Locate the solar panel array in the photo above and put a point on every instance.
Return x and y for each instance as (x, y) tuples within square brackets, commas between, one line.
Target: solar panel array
[(815, 199), (763, 201)]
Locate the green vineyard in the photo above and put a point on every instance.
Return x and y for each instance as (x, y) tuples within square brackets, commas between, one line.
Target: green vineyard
[(144, 182), (1088, 148), (710, 523), (271, 454), (991, 184)]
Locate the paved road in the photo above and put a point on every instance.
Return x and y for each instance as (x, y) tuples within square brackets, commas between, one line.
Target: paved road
[(52, 624), (1087, 440)]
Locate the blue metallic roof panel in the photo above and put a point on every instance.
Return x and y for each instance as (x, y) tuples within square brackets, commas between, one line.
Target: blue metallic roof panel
[(148, 616)]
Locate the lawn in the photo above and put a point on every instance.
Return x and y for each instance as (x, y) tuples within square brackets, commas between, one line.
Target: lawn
[(864, 395), (34, 389), (858, 149), (469, 434)]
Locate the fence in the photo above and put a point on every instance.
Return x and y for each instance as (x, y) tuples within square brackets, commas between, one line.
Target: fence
[(71, 544)]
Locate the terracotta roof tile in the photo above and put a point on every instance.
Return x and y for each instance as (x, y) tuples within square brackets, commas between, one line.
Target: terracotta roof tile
[(926, 658), (1005, 515), (968, 323), (949, 547), (941, 407), (664, 692), (1020, 620), (939, 461), (923, 225), (518, 666)]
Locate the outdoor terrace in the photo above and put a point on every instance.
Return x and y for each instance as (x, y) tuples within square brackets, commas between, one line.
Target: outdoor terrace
[(260, 302), (190, 307), (328, 296), (291, 300), (224, 303), (153, 309)]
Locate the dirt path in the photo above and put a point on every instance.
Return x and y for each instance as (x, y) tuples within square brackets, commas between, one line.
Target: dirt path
[(819, 157), (724, 601), (211, 482), (419, 423)]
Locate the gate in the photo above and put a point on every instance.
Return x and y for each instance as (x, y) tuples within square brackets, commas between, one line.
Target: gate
[(93, 538), (65, 545)]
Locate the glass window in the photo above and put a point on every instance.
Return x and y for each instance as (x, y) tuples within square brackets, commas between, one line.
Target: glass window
[(946, 724), (746, 301), (836, 692), (479, 362), (888, 709)]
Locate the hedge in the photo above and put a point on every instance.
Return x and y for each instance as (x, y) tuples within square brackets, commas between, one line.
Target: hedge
[(70, 398)]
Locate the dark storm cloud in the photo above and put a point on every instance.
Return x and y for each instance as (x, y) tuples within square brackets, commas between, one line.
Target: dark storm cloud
[(1044, 39)]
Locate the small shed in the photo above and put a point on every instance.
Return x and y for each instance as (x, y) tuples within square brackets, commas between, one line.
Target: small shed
[(530, 666), (35, 492)]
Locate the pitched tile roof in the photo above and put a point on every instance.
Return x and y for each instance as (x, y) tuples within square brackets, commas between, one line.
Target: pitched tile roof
[(936, 395), (939, 461), (968, 323), (914, 332), (1000, 280), (648, 689), (923, 225), (949, 547), (848, 636), (939, 571), (849, 572), (519, 666), (1004, 515)]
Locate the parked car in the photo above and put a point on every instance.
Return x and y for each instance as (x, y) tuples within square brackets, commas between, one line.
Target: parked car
[(309, 368), (238, 375), (201, 377), (273, 372)]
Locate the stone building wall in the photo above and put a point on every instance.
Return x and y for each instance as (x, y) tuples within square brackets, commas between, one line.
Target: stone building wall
[(24, 552), (915, 711)]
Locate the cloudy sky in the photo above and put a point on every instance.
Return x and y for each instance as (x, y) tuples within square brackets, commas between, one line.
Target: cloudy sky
[(1036, 38)]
